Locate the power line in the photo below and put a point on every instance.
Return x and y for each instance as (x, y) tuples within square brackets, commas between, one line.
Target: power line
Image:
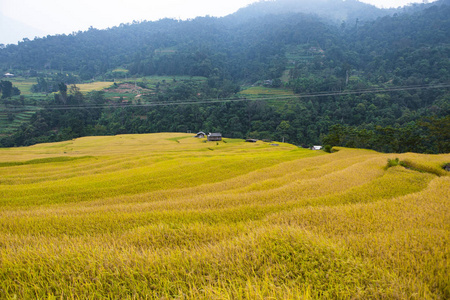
[(214, 101)]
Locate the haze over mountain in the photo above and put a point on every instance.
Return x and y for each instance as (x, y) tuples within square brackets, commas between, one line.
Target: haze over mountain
[(12, 30), (118, 46), (330, 9), (63, 17)]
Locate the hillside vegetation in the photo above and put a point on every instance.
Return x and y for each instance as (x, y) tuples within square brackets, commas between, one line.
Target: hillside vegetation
[(342, 73), (170, 216)]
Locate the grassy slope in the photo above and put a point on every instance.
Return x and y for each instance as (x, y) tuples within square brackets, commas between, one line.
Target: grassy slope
[(266, 91), (167, 215), (23, 84)]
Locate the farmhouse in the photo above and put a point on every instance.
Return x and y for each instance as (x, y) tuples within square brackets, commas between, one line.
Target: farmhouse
[(200, 135), (251, 140), (214, 137), (316, 148), (8, 75)]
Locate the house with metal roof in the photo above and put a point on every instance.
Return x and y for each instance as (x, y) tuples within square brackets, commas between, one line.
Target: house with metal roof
[(200, 135), (212, 137)]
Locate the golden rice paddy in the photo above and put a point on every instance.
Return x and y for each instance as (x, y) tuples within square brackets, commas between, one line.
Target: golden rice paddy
[(94, 86), (259, 90), (162, 216)]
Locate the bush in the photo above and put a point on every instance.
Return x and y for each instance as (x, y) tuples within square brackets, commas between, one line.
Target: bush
[(392, 162)]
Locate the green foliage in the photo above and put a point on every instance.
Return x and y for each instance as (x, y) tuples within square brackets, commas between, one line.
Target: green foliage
[(392, 162), (327, 148), (8, 90), (48, 82), (427, 135), (42, 161), (434, 169)]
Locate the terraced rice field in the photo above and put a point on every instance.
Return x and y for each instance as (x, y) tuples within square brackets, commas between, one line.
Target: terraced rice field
[(19, 117), (169, 216), (23, 84), (94, 86), (266, 91)]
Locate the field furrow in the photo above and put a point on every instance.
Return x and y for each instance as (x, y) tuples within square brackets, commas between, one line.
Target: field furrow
[(170, 216)]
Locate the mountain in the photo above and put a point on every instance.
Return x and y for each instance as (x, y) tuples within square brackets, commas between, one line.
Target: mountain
[(384, 81), (332, 10), (283, 22)]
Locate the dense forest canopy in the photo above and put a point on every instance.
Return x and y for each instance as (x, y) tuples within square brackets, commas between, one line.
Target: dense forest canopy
[(374, 77)]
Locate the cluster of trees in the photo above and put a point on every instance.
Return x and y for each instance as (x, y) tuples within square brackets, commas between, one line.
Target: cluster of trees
[(50, 82), (372, 121), (204, 46), (429, 135), (57, 122), (8, 90), (400, 48)]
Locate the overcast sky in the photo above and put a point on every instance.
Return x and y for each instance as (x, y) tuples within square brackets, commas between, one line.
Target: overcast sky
[(29, 18)]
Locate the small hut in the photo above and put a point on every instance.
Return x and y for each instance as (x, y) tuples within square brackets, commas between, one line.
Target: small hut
[(200, 135), (212, 137)]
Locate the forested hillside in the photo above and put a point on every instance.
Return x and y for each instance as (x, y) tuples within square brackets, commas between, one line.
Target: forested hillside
[(355, 81)]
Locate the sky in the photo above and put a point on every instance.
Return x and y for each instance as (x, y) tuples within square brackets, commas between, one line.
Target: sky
[(30, 18)]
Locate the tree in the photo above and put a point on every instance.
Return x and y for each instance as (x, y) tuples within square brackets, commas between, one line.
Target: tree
[(62, 97), (7, 89), (283, 129)]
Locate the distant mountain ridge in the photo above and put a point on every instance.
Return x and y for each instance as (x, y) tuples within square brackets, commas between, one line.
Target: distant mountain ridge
[(336, 11), (333, 10), (259, 30)]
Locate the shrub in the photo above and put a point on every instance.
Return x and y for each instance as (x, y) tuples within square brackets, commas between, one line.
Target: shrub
[(392, 162)]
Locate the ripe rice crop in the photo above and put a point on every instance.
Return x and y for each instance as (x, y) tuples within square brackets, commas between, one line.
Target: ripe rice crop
[(161, 216), (258, 90), (94, 86)]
